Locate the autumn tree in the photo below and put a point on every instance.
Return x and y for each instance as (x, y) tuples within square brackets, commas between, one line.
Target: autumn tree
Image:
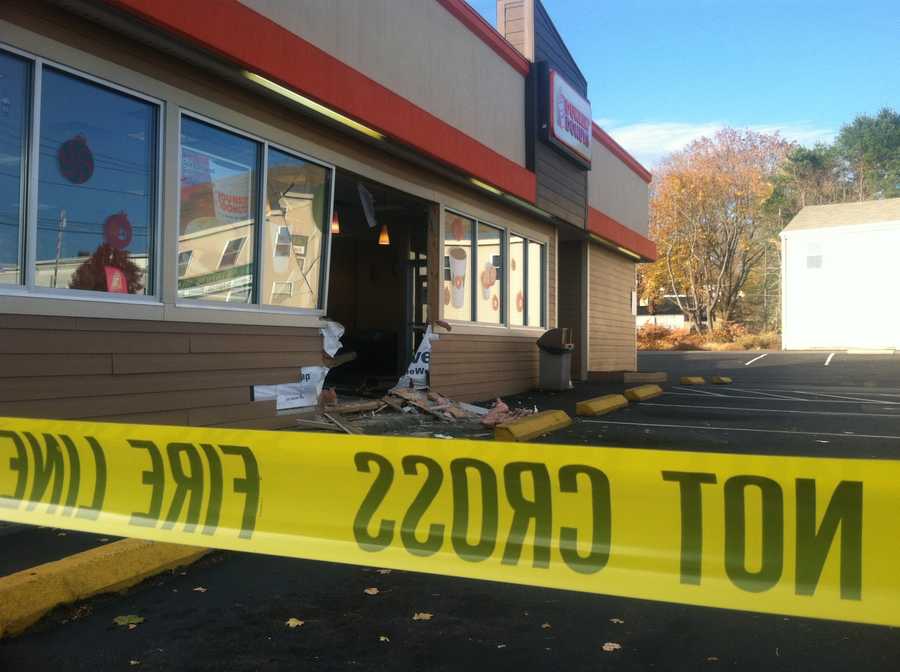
[(712, 221)]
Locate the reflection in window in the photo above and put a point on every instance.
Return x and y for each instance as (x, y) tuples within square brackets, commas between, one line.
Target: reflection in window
[(282, 291), (457, 287), (14, 108), (217, 222), (96, 188), (535, 292), (184, 261), (488, 264), (232, 253), (283, 242), (516, 280), (297, 193)]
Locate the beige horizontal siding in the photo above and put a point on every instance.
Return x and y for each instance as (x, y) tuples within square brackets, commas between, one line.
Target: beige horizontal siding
[(611, 331), (148, 372), (476, 368)]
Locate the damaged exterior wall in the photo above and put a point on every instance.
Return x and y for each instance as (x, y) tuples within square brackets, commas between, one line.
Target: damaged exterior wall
[(220, 352)]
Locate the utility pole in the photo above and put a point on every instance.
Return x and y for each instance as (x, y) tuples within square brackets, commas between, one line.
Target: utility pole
[(59, 238)]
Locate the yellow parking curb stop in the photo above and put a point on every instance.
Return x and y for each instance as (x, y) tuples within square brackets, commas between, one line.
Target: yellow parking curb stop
[(643, 392), (601, 405), (720, 380), (532, 426), (693, 380), (27, 595)]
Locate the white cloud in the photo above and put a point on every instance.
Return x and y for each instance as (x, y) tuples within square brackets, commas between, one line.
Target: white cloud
[(651, 141)]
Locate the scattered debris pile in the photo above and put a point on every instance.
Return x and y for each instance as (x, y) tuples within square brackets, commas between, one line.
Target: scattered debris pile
[(343, 416)]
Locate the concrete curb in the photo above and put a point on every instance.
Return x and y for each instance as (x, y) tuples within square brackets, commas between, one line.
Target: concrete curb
[(643, 392), (692, 380), (27, 595), (532, 426), (601, 405)]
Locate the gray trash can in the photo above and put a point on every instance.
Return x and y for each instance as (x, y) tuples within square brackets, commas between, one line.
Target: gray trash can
[(555, 356)]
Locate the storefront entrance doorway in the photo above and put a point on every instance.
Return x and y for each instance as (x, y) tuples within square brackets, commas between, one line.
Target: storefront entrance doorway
[(379, 278)]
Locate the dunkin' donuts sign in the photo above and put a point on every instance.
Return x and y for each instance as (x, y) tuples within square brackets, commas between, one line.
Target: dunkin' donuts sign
[(570, 117)]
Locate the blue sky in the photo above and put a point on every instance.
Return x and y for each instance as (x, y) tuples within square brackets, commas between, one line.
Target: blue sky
[(664, 72)]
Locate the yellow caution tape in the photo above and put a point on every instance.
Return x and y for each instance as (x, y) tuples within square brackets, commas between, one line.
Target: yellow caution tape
[(802, 536)]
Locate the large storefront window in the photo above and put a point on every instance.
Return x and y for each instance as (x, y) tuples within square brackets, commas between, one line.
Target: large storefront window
[(96, 188), (223, 254), (535, 271), (526, 282), (517, 280), (217, 223), (489, 266), (15, 78), (458, 236), (294, 236)]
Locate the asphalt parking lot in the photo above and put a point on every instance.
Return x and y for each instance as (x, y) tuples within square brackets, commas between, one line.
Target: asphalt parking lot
[(781, 403)]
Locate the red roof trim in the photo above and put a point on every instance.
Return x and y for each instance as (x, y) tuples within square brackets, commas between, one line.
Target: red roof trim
[(487, 33), (256, 43), (601, 224), (620, 153)]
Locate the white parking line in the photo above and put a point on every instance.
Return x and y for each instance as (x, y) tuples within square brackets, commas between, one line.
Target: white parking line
[(802, 401), (755, 359), (765, 394), (742, 429), (687, 389), (896, 416), (838, 396), (828, 361)]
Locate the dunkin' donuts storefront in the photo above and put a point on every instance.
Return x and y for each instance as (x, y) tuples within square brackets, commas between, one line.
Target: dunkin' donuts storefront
[(185, 209)]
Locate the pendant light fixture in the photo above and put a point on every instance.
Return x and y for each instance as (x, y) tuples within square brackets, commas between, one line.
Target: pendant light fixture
[(384, 237), (335, 224)]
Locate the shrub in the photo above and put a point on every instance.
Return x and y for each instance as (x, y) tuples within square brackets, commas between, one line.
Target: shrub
[(727, 332), (768, 340), (653, 337), (683, 339)]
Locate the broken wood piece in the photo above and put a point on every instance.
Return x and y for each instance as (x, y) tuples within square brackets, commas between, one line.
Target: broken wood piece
[(430, 410), (355, 407), (396, 405), (314, 424), (343, 358), (340, 424)]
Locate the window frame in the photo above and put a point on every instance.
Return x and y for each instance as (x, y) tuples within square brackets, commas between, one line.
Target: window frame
[(256, 305), (507, 232), (28, 247)]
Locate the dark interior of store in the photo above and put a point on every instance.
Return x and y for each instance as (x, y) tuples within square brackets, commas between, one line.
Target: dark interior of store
[(377, 280)]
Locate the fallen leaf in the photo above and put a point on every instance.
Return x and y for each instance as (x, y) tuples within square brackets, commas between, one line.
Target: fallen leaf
[(60, 534), (616, 620), (103, 540), (546, 626), (371, 591), (134, 662), (294, 622), (383, 638), (501, 646), (132, 626), (611, 646), (383, 571), (422, 616), (199, 589), (712, 659), (130, 619)]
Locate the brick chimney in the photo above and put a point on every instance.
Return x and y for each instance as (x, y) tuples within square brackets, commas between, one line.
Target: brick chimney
[(515, 21)]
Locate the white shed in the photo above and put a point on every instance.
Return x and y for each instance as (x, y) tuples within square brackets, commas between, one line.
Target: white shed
[(840, 273)]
